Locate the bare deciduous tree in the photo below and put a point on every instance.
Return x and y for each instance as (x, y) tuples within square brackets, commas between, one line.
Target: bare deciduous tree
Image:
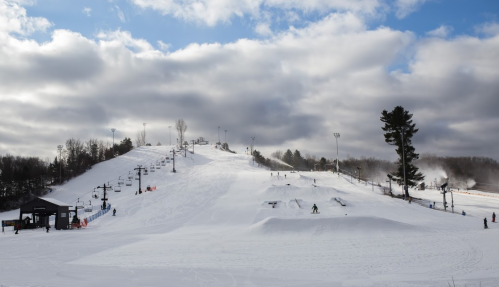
[(277, 154), (141, 138), (181, 127)]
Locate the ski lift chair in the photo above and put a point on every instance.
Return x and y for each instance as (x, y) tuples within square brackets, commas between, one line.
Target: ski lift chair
[(145, 172), (137, 176), (128, 182), (89, 207), (163, 162), (79, 204), (152, 168), (95, 194), (130, 175), (117, 188), (121, 181), (158, 163)]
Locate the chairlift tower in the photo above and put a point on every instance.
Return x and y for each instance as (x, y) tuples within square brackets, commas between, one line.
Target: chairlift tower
[(173, 157), (104, 198), (139, 169)]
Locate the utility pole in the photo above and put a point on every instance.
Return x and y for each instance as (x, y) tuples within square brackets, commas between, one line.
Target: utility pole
[(59, 147), (104, 198), (337, 135), (140, 168), (144, 133), (113, 130), (219, 134), (170, 129)]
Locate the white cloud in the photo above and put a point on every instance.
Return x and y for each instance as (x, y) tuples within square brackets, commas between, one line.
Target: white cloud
[(263, 29), (490, 29), (120, 14), (293, 89), (13, 18), (406, 7), (87, 11), (441, 32), (164, 47), (211, 12)]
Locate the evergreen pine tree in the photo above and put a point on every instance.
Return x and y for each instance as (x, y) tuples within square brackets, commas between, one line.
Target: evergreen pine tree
[(398, 125)]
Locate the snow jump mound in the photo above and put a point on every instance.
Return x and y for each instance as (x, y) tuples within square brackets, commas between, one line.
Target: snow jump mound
[(274, 226)]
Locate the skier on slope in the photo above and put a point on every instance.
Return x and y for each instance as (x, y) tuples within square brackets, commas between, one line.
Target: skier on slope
[(493, 217), (315, 209), (485, 223), (114, 212)]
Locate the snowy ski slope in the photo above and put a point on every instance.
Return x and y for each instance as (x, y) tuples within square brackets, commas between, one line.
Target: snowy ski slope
[(211, 224)]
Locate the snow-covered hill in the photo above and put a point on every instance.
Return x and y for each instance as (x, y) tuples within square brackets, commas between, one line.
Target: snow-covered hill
[(211, 224)]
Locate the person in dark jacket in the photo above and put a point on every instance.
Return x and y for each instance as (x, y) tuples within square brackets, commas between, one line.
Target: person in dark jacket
[(114, 212), (485, 223), (48, 227), (493, 217), (315, 209)]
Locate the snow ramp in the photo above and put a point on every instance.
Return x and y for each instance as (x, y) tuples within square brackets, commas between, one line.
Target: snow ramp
[(339, 225)]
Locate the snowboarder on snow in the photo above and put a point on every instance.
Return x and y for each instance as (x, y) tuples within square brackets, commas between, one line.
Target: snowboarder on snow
[(493, 217), (48, 227), (114, 212), (284, 175), (315, 209), (314, 180), (485, 223)]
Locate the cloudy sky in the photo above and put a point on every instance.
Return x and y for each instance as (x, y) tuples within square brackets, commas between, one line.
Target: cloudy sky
[(289, 72)]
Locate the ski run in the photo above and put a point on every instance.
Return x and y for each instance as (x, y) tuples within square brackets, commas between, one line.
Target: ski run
[(220, 220)]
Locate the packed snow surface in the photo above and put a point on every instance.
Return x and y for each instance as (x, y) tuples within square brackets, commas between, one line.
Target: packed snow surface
[(220, 220)]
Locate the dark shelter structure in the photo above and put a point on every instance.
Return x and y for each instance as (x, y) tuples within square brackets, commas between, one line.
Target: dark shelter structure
[(38, 210)]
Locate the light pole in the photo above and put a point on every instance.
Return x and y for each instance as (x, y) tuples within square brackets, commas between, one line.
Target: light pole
[(225, 136), (337, 135), (252, 143), (59, 147), (219, 134), (170, 129), (144, 133), (113, 130)]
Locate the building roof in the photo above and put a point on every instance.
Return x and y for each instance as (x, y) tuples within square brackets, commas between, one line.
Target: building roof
[(55, 201)]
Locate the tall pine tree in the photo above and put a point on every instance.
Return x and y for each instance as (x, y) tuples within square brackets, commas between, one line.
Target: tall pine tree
[(398, 126)]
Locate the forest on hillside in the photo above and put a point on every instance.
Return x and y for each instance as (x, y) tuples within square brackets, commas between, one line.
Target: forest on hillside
[(463, 172), (24, 178)]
